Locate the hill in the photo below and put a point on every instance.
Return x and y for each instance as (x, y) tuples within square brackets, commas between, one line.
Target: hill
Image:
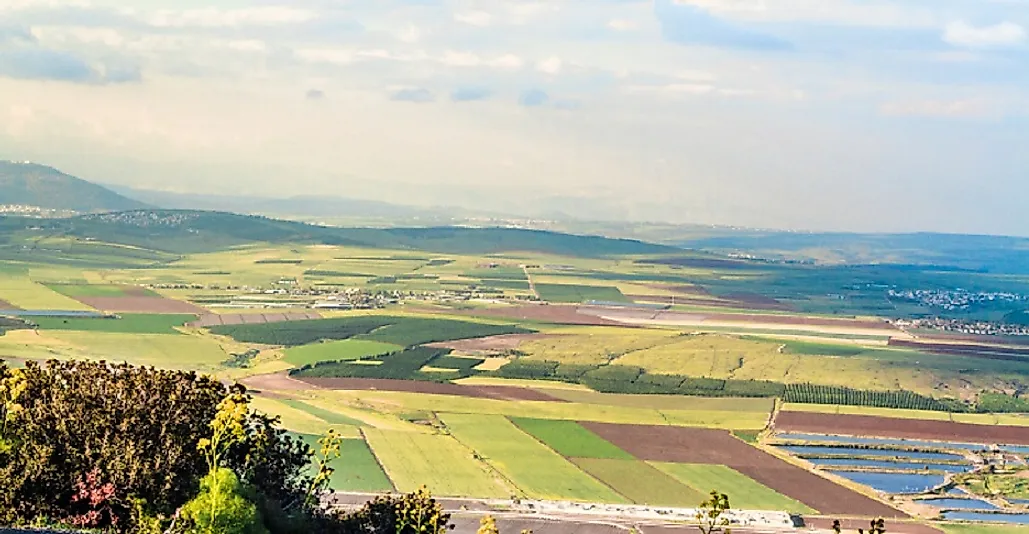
[(187, 231), (30, 184)]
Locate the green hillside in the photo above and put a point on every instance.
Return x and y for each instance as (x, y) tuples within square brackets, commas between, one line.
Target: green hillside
[(45, 187), (184, 231)]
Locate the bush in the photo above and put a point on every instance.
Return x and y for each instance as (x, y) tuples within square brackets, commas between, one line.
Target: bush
[(222, 507)]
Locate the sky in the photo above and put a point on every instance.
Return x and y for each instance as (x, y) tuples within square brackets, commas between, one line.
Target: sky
[(854, 115)]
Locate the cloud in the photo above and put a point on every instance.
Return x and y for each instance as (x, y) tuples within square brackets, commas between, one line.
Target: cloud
[(534, 98), (471, 59), (13, 34), (315, 94), (470, 94), (966, 108), (38, 63), (412, 94), (474, 18), (1002, 35), (691, 25), (214, 17), (622, 25), (551, 65)]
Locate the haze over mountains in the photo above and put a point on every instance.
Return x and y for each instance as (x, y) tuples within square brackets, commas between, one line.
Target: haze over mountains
[(30, 184)]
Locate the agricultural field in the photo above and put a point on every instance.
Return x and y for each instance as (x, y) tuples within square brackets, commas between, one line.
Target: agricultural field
[(129, 323), (23, 293), (641, 483), (744, 491), (535, 469), (439, 462), (570, 439), (330, 351), (575, 294), (356, 469), (169, 351)]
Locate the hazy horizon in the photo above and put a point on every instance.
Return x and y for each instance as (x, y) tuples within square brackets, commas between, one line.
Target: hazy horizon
[(826, 115)]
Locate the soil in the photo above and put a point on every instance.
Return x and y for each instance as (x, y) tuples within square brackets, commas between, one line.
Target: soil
[(140, 304), (437, 388), (4, 305), (719, 447), (867, 425)]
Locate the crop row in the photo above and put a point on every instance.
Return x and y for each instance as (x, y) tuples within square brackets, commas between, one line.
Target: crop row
[(819, 394)]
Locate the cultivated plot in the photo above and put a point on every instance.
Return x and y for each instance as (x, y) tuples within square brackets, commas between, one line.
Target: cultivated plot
[(332, 351), (744, 492), (640, 482), (570, 439), (129, 323), (28, 295), (536, 470), (866, 425), (438, 462), (356, 469)]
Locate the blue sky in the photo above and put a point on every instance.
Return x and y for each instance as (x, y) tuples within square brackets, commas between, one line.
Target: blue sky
[(871, 115)]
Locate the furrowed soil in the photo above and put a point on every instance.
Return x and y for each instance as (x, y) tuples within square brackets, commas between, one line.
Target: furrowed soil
[(214, 319), (719, 447), (869, 425), (140, 304)]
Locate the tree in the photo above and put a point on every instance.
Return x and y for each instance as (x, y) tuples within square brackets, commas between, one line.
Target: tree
[(711, 514)]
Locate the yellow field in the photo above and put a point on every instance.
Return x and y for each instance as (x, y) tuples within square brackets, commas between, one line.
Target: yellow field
[(592, 345), (158, 350), (439, 462), (300, 421), (29, 295), (970, 418), (397, 402), (522, 383)]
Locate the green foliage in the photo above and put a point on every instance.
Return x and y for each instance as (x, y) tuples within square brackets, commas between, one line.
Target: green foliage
[(818, 394), (1001, 403), (222, 507), (241, 360), (456, 362), (411, 331), (711, 514), (528, 369)]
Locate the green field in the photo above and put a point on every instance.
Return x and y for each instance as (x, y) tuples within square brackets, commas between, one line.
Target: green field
[(343, 350), (438, 462), (570, 439), (128, 323), (667, 402), (743, 491), (575, 294), (641, 482), (356, 469), (536, 470)]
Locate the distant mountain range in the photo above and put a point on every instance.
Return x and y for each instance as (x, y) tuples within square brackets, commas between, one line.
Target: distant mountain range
[(30, 184)]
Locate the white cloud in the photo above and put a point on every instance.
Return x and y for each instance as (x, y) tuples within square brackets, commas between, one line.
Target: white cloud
[(214, 17), (551, 65), (475, 18), (1002, 35), (622, 25), (937, 108), (469, 59)]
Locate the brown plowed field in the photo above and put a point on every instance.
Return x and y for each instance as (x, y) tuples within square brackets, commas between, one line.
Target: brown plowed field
[(4, 305), (215, 319), (868, 425), (417, 386), (719, 447), (964, 349), (544, 313), (140, 304)]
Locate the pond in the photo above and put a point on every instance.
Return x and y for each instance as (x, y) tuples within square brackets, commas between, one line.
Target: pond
[(960, 504), (1019, 519), (882, 464), (801, 450), (1016, 449), (893, 482)]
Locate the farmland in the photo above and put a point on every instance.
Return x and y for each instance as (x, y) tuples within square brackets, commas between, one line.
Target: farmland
[(438, 462), (347, 349), (570, 439), (130, 323), (746, 493), (538, 471), (28, 295), (578, 293), (641, 483), (356, 469)]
